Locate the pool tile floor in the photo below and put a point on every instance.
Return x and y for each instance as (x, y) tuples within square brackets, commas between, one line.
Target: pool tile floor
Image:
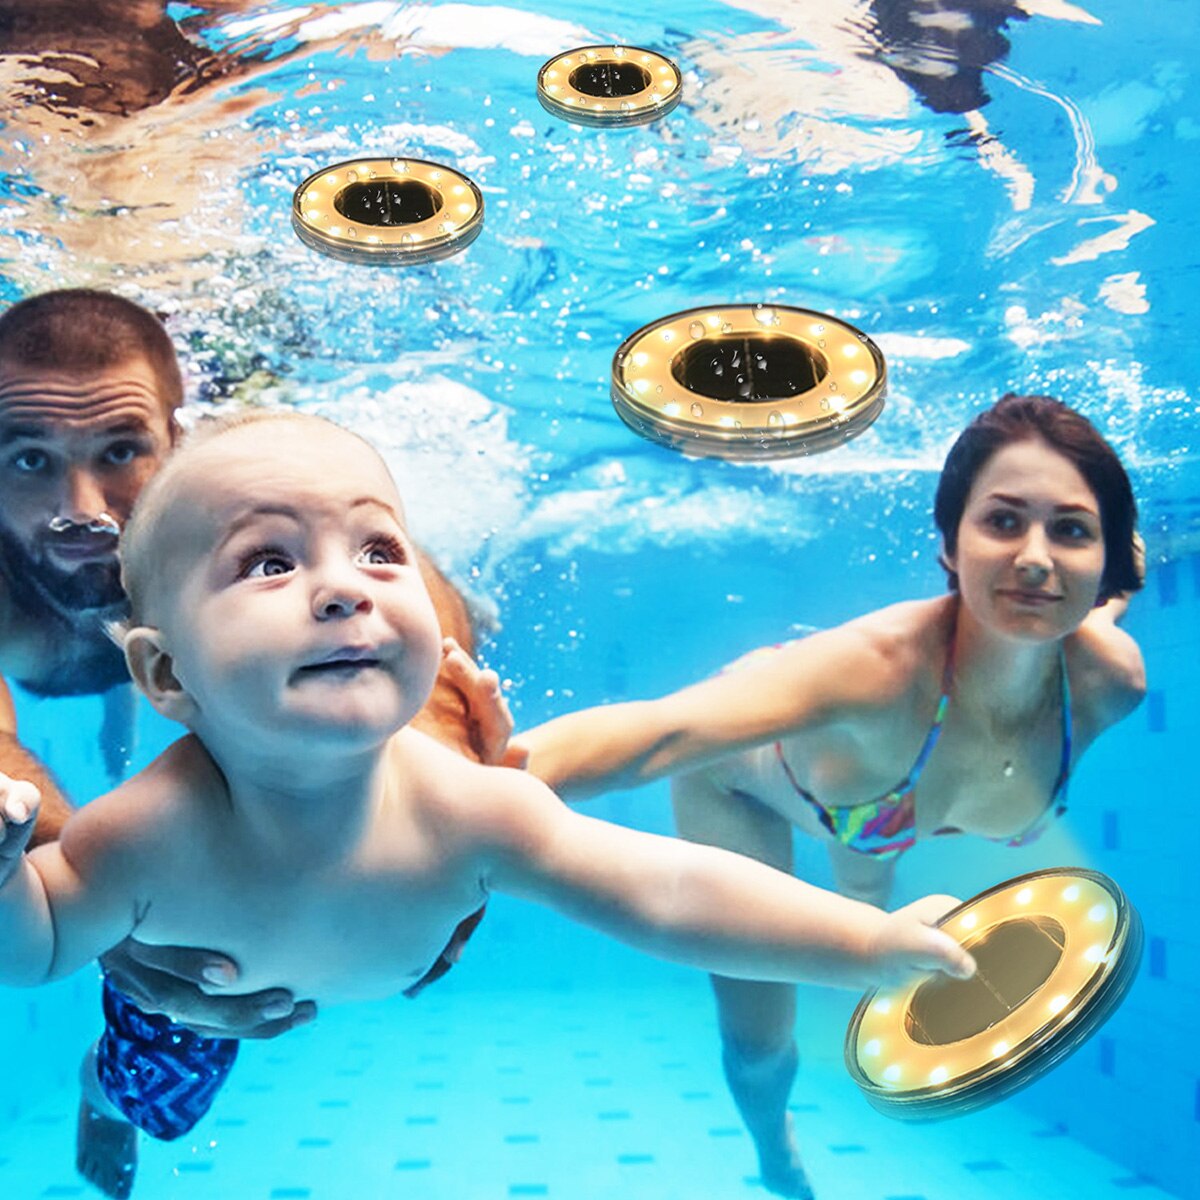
[(470, 1095)]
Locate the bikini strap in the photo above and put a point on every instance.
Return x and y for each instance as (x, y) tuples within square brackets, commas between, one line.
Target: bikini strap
[(935, 730), (1064, 766)]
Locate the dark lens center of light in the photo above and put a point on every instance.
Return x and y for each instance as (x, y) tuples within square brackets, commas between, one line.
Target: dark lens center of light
[(1014, 960), (609, 79), (388, 202), (749, 368)]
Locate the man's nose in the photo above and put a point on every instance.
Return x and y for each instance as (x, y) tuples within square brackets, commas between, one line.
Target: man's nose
[(83, 498)]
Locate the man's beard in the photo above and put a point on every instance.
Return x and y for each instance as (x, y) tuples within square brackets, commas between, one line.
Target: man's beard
[(72, 609), (35, 583)]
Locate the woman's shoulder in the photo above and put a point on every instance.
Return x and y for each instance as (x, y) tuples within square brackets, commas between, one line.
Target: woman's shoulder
[(881, 658), (906, 641), (1107, 673)]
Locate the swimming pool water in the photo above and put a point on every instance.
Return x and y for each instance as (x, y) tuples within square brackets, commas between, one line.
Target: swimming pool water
[(1044, 242)]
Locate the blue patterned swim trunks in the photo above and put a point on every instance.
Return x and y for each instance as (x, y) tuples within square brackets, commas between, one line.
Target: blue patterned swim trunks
[(161, 1076)]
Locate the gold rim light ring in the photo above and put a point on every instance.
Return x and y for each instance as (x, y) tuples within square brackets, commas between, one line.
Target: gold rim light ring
[(609, 85), (387, 211), (1065, 945), (748, 381)]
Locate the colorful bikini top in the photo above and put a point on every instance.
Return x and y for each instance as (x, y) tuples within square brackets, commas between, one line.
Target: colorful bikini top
[(888, 826)]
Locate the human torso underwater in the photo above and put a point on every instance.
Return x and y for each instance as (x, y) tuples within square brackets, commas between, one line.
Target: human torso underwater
[(958, 771), (361, 917)]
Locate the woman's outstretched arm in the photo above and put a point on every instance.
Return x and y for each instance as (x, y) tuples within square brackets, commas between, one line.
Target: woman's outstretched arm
[(824, 678)]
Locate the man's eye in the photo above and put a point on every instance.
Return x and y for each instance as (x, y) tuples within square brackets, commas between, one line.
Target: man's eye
[(262, 565), (120, 454), (30, 461)]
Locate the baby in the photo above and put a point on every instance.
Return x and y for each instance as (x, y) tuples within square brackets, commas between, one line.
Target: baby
[(277, 610)]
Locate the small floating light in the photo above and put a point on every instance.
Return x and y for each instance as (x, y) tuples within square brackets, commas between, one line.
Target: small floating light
[(747, 381), (1047, 979), (387, 212), (609, 85)]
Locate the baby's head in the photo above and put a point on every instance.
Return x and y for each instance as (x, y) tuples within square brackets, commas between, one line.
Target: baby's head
[(274, 590)]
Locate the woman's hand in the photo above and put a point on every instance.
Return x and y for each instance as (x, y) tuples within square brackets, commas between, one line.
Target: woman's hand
[(908, 944), (186, 985)]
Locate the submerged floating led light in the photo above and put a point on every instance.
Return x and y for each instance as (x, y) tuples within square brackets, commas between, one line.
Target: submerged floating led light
[(609, 85), (1057, 951), (748, 381), (387, 212)]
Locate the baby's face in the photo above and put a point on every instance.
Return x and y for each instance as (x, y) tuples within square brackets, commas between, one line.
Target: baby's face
[(299, 611)]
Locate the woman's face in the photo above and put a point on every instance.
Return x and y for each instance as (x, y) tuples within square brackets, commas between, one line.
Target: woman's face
[(1030, 545)]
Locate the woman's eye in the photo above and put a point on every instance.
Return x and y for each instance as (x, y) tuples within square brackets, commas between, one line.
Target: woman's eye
[(1074, 531), (264, 565), (1002, 521)]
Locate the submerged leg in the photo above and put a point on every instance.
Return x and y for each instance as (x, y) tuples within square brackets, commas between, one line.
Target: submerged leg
[(144, 1073), (756, 1019), (760, 1060), (105, 1143)]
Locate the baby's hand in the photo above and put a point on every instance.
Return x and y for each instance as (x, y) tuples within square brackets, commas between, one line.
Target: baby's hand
[(908, 945), (19, 802), (490, 722)]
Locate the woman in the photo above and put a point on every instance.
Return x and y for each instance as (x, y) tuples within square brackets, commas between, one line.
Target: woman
[(961, 714)]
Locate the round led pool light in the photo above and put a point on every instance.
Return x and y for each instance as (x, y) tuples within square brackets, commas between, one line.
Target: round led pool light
[(387, 212), (1057, 951), (748, 381), (609, 85)]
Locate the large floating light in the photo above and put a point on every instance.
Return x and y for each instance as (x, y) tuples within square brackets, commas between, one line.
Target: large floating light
[(387, 211), (748, 381), (1057, 951), (609, 85)]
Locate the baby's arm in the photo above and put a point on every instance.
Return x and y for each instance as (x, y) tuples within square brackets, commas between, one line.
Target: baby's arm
[(53, 917), (702, 906)]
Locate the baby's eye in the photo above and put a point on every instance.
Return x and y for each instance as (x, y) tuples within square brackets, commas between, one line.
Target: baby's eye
[(265, 563), (380, 551)]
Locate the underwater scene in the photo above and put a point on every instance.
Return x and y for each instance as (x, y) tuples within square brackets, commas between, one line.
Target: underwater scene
[(962, 199)]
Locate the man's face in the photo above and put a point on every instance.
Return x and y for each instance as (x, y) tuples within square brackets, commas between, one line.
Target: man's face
[(76, 448)]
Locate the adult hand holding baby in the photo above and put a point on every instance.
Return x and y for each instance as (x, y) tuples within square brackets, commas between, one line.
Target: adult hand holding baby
[(193, 988), (19, 803)]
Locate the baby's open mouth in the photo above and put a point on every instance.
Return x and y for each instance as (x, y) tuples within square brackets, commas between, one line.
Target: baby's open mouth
[(348, 661)]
